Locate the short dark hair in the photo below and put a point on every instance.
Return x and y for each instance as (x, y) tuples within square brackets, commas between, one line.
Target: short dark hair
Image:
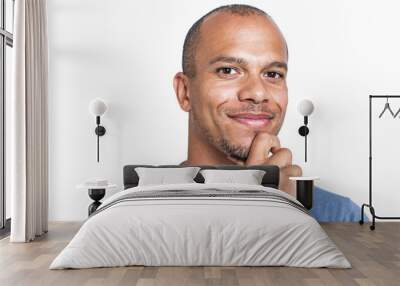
[(193, 35)]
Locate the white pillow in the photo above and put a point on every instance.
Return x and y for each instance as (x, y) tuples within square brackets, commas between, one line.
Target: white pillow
[(249, 177), (162, 176)]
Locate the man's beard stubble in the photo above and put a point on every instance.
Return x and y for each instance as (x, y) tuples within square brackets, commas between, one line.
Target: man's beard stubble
[(222, 144)]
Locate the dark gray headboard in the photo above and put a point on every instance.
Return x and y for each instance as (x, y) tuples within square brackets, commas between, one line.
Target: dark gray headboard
[(270, 179)]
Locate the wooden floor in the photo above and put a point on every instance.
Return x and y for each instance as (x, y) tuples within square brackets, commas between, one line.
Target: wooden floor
[(374, 255)]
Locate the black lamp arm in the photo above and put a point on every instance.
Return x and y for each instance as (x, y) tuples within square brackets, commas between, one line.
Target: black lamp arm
[(303, 131), (100, 131)]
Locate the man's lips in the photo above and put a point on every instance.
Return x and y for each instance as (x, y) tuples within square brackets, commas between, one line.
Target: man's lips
[(253, 120)]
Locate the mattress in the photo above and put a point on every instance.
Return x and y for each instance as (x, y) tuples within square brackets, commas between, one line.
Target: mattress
[(201, 225)]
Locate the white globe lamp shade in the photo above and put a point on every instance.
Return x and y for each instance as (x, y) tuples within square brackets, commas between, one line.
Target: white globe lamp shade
[(305, 107), (97, 107)]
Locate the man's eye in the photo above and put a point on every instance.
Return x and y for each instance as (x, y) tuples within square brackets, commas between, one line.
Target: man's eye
[(226, 71), (274, 75)]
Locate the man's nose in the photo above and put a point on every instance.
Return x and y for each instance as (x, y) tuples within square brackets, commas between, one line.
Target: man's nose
[(254, 90)]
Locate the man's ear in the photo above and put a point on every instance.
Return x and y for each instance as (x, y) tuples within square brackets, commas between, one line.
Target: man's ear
[(182, 91)]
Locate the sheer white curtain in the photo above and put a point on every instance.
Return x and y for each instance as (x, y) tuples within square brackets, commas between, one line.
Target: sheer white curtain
[(28, 160)]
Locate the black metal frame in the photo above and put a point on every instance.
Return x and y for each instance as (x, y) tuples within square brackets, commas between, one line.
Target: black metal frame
[(369, 205), (6, 39)]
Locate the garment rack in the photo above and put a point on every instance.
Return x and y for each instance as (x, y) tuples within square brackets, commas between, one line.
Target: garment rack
[(369, 205)]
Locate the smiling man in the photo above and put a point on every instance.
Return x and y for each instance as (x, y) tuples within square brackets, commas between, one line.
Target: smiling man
[(233, 85)]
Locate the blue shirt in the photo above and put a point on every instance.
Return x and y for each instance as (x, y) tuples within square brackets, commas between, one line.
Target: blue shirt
[(329, 207)]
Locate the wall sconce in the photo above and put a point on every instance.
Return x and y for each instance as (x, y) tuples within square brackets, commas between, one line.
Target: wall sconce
[(97, 107), (305, 107)]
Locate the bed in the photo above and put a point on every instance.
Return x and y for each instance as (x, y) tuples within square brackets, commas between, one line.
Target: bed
[(201, 224)]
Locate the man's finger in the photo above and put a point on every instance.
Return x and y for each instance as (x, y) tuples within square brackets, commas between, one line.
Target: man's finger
[(281, 158), (262, 144), (292, 171)]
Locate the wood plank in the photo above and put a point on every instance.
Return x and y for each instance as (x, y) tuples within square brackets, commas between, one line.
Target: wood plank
[(374, 255)]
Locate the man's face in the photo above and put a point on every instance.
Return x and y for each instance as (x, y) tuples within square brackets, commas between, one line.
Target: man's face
[(240, 83)]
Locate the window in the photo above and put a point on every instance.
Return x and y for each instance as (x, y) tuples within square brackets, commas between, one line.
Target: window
[(6, 44)]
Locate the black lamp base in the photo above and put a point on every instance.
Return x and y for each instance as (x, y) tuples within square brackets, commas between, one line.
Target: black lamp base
[(303, 130), (96, 195), (304, 192), (100, 130)]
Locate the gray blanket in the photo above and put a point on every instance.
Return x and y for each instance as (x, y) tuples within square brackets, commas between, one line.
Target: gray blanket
[(207, 193), (201, 224)]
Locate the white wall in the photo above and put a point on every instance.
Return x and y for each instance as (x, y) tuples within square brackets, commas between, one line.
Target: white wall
[(127, 52)]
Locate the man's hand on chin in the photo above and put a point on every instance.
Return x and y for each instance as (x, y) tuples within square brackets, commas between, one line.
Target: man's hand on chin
[(262, 145)]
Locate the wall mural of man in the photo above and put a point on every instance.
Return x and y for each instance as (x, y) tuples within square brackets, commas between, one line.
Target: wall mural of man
[(233, 85)]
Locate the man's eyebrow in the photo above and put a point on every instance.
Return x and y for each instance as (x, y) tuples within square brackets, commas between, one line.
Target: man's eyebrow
[(227, 59), (278, 64), (242, 61)]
